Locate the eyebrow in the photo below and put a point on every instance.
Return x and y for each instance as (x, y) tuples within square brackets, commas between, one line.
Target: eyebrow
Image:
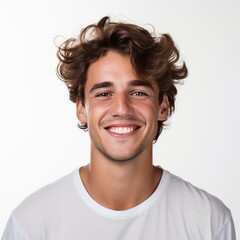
[(133, 83), (101, 85)]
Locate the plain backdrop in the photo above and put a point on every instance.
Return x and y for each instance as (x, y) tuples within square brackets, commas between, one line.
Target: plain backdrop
[(39, 138)]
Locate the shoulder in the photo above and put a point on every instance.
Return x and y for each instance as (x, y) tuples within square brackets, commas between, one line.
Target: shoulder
[(45, 199), (40, 209), (196, 203), (190, 194)]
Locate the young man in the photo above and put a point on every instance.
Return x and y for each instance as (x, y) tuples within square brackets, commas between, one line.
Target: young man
[(122, 80)]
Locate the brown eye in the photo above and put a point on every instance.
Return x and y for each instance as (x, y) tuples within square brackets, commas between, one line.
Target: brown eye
[(104, 94), (139, 93)]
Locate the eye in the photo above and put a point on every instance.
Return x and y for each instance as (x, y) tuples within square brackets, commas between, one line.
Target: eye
[(139, 93), (104, 94)]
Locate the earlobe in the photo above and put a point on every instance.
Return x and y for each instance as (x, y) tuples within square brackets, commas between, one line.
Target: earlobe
[(81, 113), (163, 112)]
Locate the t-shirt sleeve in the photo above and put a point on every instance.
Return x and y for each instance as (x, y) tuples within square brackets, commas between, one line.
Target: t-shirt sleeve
[(12, 231), (228, 231)]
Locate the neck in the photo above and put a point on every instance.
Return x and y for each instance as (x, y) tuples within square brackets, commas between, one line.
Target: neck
[(120, 185)]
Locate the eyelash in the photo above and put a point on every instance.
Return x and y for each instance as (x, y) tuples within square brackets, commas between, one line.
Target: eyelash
[(134, 93), (104, 94), (139, 93)]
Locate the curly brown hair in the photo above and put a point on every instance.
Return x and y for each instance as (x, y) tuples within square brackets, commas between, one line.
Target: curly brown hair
[(153, 58)]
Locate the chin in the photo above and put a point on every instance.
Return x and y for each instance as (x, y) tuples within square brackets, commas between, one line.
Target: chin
[(121, 158)]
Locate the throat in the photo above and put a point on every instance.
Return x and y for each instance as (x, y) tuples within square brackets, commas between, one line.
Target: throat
[(120, 193)]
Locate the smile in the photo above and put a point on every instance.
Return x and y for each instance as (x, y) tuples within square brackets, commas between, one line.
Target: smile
[(121, 130)]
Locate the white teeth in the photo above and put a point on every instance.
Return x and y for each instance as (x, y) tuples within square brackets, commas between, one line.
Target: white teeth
[(121, 130)]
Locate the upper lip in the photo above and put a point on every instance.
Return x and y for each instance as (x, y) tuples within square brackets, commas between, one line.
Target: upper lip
[(122, 125)]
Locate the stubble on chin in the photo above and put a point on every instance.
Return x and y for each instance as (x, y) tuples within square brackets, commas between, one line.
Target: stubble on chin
[(120, 158)]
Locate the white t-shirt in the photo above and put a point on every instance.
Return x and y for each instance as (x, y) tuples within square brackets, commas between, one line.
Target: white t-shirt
[(176, 210)]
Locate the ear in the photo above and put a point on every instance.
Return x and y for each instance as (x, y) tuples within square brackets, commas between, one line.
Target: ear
[(163, 109), (81, 113)]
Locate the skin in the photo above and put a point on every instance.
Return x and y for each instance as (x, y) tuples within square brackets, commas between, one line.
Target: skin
[(121, 111)]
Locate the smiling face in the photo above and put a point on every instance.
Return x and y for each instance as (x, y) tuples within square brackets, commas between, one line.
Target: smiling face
[(121, 109)]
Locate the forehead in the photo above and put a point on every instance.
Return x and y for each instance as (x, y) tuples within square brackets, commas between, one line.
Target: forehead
[(112, 67), (112, 63)]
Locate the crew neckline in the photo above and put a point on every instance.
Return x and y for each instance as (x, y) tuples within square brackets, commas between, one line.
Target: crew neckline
[(119, 214)]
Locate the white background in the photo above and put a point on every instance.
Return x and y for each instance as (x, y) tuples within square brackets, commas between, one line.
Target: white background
[(39, 138)]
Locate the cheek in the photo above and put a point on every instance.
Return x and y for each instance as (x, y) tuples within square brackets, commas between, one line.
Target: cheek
[(149, 114), (152, 114), (96, 111), (151, 108)]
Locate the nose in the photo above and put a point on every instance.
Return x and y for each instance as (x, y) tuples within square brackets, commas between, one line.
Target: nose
[(121, 105)]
